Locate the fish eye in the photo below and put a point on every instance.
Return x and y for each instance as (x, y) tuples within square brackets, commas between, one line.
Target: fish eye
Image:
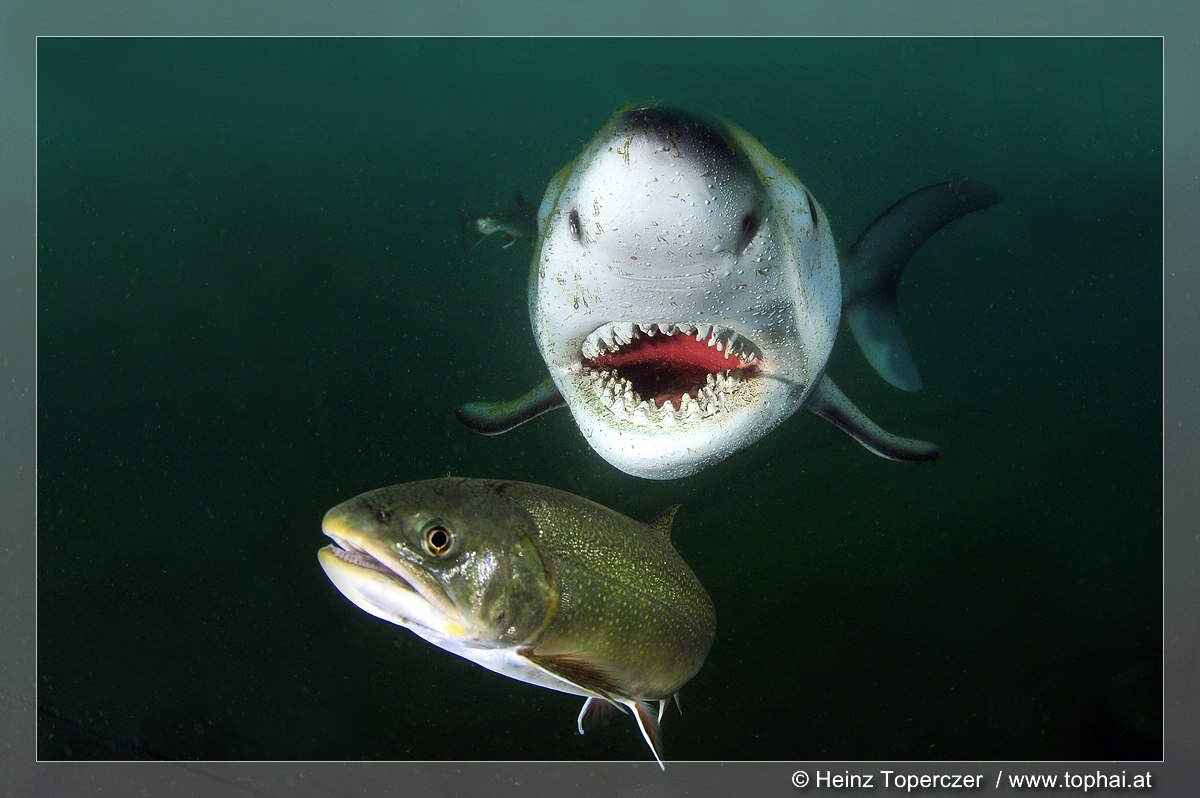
[(437, 539), (750, 224), (576, 227)]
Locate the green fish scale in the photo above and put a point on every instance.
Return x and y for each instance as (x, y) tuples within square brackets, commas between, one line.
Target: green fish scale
[(627, 602)]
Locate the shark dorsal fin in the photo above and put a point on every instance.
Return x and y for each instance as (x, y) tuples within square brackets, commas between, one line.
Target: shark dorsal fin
[(662, 522)]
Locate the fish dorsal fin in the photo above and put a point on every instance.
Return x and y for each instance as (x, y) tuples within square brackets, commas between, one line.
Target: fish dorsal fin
[(662, 522), (576, 669), (519, 198)]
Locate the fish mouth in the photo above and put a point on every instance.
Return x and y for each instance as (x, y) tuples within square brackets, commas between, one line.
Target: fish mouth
[(358, 557), (367, 573), (666, 372)]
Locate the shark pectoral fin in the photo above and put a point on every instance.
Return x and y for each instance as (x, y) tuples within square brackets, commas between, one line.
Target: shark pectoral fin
[(494, 418), (648, 724), (872, 267), (828, 402)]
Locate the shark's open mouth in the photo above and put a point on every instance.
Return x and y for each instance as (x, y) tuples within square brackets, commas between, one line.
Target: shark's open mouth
[(667, 371)]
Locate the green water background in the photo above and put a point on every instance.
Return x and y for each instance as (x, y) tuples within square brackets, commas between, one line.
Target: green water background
[(253, 303)]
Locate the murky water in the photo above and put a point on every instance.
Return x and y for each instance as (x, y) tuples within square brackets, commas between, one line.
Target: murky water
[(254, 304)]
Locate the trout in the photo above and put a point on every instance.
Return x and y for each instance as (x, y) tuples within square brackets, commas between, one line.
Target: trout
[(531, 582)]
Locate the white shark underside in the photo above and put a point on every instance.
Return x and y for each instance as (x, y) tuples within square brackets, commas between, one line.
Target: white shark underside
[(686, 293)]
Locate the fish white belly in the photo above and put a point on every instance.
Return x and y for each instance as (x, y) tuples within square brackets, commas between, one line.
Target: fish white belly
[(505, 661)]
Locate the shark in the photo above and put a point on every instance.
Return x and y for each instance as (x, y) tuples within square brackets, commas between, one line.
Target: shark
[(686, 292)]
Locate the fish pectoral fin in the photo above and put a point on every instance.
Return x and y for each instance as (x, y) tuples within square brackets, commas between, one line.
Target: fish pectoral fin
[(577, 669), (495, 418), (507, 240), (648, 724), (828, 402), (595, 710)]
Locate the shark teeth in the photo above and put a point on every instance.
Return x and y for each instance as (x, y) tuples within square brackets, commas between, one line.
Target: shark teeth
[(618, 394), (614, 335), (695, 395)]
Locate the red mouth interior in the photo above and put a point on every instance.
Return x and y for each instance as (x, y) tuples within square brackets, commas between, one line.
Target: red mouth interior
[(664, 367)]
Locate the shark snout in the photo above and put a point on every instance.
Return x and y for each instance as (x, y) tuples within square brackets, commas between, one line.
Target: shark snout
[(678, 132)]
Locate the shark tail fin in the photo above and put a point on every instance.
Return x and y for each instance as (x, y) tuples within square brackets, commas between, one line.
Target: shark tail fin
[(873, 265)]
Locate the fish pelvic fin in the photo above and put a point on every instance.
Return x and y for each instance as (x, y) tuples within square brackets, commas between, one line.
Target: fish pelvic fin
[(580, 671), (496, 418), (595, 710), (872, 267), (648, 724), (828, 402)]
